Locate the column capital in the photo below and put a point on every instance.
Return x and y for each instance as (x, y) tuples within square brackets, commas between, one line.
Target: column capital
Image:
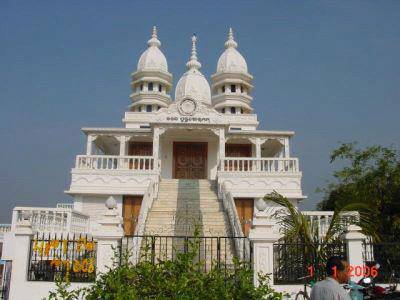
[(353, 233)]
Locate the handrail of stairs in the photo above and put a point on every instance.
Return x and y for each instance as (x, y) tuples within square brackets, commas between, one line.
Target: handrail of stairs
[(242, 248), (147, 203)]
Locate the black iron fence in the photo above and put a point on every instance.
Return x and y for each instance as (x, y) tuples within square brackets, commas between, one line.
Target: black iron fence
[(296, 263), (64, 257), (387, 256), (208, 252)]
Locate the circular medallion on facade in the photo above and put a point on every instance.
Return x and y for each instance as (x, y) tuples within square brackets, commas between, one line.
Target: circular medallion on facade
[(187, 107)]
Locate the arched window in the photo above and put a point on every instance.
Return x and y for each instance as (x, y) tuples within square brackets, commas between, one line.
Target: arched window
[(150, 86), (141, 87), (223, 110), (233, 110), (223, 89), (233, 88), (149, 108), (159, 88)]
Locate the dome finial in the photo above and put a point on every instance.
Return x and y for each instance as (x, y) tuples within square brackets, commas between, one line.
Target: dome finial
[(154, 41), (230, 43), (193, 63)]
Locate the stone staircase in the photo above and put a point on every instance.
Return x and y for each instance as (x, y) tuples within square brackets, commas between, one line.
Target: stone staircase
[(182, 206)]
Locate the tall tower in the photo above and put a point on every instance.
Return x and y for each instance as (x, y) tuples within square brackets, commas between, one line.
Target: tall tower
[(151, 83), (231, 84)]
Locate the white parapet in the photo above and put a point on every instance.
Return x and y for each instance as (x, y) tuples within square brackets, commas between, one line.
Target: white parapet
[(113, 175), (53, 220), (256, 177)]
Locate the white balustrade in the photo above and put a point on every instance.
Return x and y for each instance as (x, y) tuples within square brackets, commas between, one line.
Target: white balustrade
[(251, 164), (115, 162), (148, 198), (323, 219), (4, 228), (242, 245), (65, 205), (56, 220)]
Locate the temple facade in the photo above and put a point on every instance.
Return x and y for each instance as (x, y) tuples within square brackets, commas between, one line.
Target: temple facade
[(175, 157)]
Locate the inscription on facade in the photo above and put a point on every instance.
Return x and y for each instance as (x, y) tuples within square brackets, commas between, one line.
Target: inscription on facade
[(189, 119)]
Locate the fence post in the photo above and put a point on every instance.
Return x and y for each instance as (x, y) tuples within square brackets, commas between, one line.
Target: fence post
[(108, 237), (354, 246), (263, 238), (20, 262)]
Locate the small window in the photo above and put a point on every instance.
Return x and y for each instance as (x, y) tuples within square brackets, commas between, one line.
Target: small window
[(141, 87), (150, 86), (223, 110), (148, 108), (223, 89), (233, 110), (241, 88), (139, 109), (233, 88), (236, 128), (144, 126), (159, 88)]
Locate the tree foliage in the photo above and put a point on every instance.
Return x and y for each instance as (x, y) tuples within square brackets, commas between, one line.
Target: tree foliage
[(303, 234), (370, 176)]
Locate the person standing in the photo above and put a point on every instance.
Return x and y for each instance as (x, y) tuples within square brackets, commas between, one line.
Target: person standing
[(330, 288)]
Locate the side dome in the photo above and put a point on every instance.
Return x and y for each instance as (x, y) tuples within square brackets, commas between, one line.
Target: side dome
[(231, 60), (153, 58), (193, 84)]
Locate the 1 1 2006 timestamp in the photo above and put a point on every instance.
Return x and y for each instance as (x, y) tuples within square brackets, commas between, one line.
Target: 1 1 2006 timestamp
[(358, 271)]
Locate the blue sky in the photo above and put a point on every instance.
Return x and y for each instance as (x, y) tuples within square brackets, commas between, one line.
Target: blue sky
[(329, 70)]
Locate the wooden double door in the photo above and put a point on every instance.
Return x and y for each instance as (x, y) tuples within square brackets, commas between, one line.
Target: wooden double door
[(245, 210), (130, 213), (190, 160)]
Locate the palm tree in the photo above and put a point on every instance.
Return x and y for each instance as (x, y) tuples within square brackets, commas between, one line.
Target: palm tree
[(303, 245)]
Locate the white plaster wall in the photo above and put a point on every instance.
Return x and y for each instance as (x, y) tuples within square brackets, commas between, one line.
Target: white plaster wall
[(94, 206)]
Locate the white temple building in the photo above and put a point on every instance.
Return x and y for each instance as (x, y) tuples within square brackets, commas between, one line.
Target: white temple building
[(188, 150), (195, 160)]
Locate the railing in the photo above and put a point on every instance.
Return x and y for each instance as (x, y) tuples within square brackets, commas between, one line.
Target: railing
[(210, 252), (45, 219), (387, 255), (294, 261), (323, 219), (242, 244), (148, 199), (62, 257), (65, 205), (250, 164), (4, 228), (114, 162)]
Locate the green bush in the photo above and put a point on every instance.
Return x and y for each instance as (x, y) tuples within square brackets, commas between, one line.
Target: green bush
[(180, 278)]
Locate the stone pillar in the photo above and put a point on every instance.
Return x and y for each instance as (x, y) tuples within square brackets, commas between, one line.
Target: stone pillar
[(89, 145), (263, 237), (156, 146), (122, 145), (221, 135), (21, 252), (258, 147), (108, 237), (286, 145), (354, 239)]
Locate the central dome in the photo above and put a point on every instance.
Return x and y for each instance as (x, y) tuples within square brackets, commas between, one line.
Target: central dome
[(193, 84)]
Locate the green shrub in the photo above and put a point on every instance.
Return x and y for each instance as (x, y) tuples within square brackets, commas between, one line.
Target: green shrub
[(180, 278)]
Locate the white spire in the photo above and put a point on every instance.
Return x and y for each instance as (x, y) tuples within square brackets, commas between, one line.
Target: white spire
[(193, 63), (230, 43), (154, 41)]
